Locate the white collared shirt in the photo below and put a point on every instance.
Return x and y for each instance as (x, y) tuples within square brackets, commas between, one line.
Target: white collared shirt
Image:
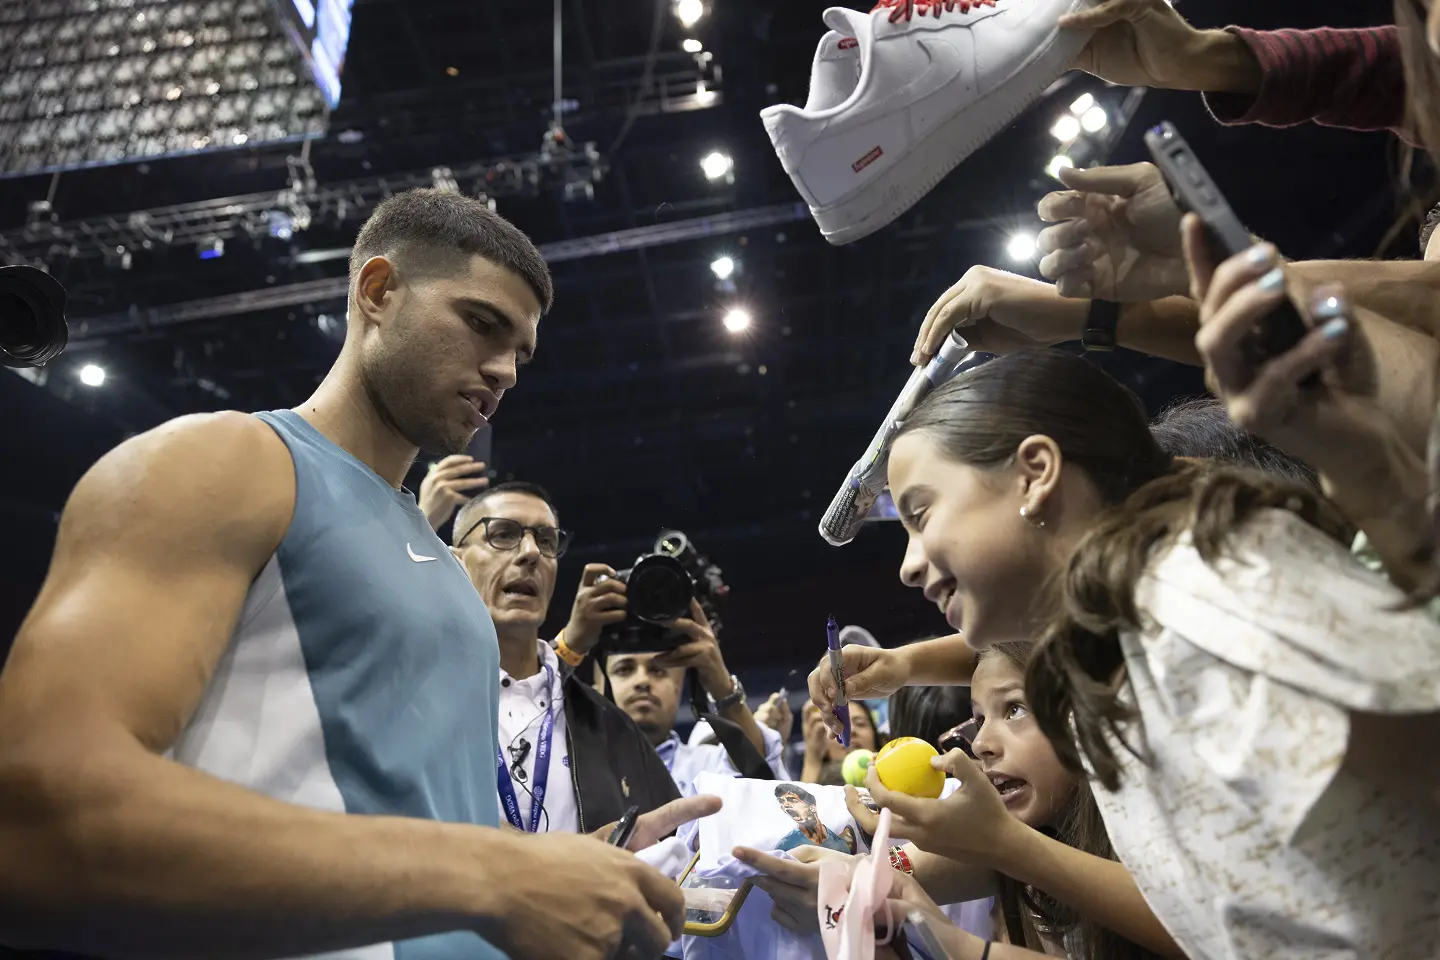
[(685, 760), (522, 710), (1246, 833)]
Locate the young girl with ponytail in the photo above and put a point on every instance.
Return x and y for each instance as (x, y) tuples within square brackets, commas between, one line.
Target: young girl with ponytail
[(1246, 699)]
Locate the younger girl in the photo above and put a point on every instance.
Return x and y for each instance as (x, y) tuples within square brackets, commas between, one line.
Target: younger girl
[(1019, 797)]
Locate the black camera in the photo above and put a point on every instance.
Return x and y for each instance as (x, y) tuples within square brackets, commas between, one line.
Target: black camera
[(32, 317), (659, 588)]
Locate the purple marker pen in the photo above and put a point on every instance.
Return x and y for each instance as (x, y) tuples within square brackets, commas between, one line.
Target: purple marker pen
[(837, 667)]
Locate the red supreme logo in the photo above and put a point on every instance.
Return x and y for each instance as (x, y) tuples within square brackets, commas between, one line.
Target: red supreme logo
[(848, 43), (866, 160)]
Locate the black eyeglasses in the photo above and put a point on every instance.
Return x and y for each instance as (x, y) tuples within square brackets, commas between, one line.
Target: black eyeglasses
[(505, 534)]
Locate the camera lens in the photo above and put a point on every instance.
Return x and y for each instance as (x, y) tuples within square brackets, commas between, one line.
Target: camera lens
[(19, 326), (32, 317), (659, 590)]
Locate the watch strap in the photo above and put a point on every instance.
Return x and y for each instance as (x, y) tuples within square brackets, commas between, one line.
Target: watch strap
[(734, 698), (1100, 326)]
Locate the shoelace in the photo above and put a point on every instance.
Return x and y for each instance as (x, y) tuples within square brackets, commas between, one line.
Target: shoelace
[(905, 9)]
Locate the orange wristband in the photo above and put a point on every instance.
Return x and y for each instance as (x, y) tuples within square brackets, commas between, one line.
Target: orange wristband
[(565, 653)]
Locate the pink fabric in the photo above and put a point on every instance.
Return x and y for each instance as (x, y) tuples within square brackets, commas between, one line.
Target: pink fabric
[(852, 894)]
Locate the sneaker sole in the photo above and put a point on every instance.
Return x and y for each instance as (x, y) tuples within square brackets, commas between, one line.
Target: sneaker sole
[(860, 215)]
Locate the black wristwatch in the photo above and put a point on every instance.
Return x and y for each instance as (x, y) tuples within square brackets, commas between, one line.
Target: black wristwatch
[(1100, 326)]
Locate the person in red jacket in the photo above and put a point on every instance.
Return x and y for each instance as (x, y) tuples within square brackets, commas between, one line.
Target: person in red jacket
[(1353, 78)]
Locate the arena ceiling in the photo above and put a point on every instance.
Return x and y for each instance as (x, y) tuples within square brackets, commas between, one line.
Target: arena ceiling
[(642, 411)]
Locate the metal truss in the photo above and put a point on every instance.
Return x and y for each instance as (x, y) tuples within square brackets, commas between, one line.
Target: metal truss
[(284, 212), (335, 288)]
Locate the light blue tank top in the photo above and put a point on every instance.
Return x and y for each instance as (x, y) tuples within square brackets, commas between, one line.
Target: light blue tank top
[(363, 675)]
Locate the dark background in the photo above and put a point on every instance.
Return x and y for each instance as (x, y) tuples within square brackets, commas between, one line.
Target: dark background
[(640, 412)]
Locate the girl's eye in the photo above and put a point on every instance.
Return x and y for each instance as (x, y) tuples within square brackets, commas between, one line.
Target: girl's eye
[(1016, 711)]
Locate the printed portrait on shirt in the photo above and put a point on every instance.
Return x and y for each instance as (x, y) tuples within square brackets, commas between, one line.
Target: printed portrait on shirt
[(799, 805)]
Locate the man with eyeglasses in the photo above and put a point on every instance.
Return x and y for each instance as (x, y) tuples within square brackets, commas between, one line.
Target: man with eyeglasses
[(570, 760)]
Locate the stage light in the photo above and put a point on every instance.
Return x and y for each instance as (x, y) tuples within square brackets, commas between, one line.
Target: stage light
[(1094, 120), (1057, 163), (689, 11), (1067, 128), (691, 45), (716, 165), (737, 320), (722, 267), (703, 94), (212, 249), (92, 375), (1021, 246), (1084, 102)]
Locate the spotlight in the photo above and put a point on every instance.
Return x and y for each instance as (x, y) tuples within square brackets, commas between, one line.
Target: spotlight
[(1083, 103), (1021, 246), (688, 11), (722, 267), (1057, 163), (1067, 128), (691, 45), (212, 249), (737, 320), (703, 94), (716, 165), (92, 375), (1094, 120)]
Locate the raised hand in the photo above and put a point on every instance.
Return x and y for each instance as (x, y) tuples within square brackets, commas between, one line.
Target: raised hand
[(870, 673), (1116, 235), (599, 602), (1000, 313), (776, 714), (970, 824), (1145, 43), (448, 484)]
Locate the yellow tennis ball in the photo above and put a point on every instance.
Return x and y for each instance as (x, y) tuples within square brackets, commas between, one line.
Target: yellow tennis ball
[(856, 765), (903, 765)]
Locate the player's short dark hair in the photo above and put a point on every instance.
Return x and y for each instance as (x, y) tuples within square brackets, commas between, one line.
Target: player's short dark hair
[(429, 232), (470, 511), (799, 791), (1432, 220)]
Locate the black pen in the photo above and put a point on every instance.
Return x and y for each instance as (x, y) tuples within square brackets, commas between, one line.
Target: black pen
[(625, 829)]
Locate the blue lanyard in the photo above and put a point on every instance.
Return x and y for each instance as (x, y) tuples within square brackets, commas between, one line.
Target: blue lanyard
[(542, 767)]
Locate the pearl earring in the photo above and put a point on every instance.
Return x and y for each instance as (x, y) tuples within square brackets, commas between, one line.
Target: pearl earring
[(1025, 515)]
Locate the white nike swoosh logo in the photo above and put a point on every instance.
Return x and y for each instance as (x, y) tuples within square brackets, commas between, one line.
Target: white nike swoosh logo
[(415, 556), (944, 66)]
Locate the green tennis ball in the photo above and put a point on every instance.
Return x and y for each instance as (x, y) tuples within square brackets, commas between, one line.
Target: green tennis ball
[(856, 766)]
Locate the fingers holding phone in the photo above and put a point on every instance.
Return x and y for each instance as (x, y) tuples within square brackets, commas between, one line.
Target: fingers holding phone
[(448, 484)]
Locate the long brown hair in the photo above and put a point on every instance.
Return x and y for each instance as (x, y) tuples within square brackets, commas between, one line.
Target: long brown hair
[(1422, 74), (1079, 825), (1075, 679)]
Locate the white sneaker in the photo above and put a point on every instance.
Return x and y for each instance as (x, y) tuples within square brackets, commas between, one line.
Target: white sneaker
[(902, 94)]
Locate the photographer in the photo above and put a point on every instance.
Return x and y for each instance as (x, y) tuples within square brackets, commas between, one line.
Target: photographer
[(598, 763), (648, 686)]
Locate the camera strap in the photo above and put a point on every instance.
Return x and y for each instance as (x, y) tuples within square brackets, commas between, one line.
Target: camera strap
[(749, 761)]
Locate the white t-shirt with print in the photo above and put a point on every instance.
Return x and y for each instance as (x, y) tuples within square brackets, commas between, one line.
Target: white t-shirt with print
[(1243, 832)]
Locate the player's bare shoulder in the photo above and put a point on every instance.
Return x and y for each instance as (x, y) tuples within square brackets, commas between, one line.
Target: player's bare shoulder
[(209, 474)]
